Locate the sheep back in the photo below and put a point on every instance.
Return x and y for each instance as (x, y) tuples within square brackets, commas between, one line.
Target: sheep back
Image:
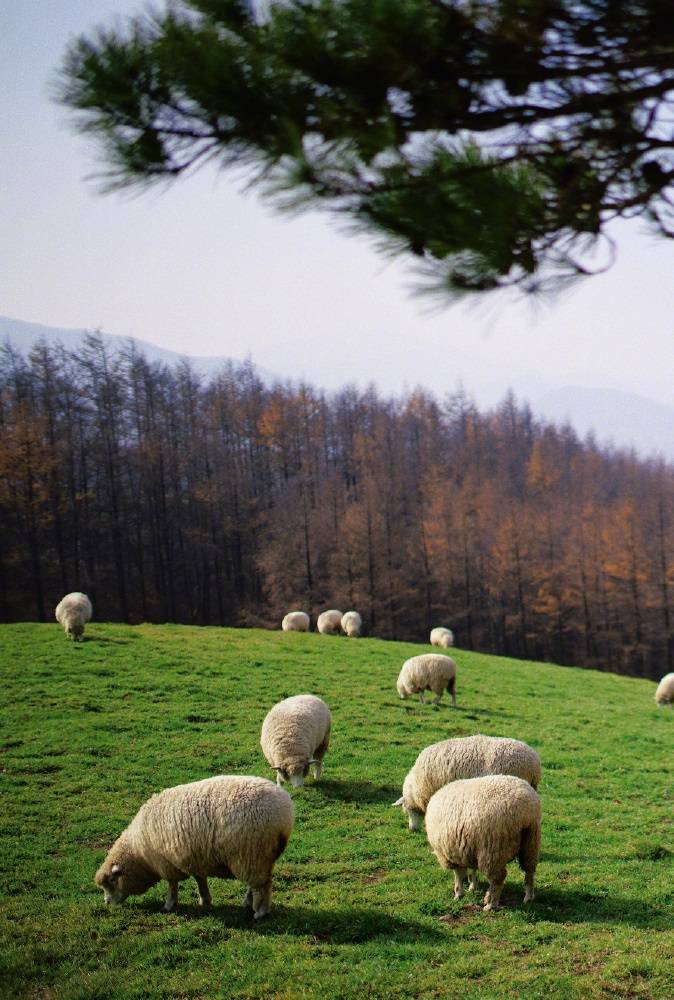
[(351, 624), (467, 757), (427, 672), (664, 694), (294, 732), (227, 826), (484, 823), (296, 621), (73, 612), (442, 637)]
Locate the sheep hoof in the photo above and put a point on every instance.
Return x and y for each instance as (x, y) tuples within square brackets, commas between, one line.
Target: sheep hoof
[(259, 914)]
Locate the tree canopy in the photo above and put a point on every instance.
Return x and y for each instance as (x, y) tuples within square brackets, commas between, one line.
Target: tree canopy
[(493, 140)]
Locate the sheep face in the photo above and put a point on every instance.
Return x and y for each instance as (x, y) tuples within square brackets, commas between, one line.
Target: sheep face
[(74, 630), (414, 817), (295, 772), (118, 882)]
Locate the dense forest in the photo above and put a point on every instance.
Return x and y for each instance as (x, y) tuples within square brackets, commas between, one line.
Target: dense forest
[(167, 497)]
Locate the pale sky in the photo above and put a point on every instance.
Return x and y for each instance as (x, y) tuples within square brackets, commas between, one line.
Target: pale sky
[(203, 269)]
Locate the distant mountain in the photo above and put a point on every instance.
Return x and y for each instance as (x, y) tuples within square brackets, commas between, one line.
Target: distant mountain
[(24, 335), (624, 418)]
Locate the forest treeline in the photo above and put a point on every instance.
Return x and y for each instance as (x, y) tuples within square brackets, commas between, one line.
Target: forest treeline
[(169, 497)]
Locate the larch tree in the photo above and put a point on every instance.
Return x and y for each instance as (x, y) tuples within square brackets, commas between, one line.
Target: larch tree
[(493, 140)]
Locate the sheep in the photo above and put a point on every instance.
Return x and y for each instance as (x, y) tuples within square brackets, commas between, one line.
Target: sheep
[(329, 622), (664, 694), (296, 621), (296, 734), (73, 612), (428, 672), (464, 757), (351, 624), (230, 826), (442, 637), (482, 824)]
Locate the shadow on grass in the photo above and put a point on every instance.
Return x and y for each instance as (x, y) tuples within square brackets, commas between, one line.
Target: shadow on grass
[(357, 791), (340, 926), (107, 638), (573, 906)]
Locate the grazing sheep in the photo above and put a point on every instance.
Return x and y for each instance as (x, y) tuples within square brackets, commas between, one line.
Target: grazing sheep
[(330, 622), (442, 637), (482, 824), (73, 612), (664, 694), (296, 621), (296, 734), (352, 624), (428, 672), (231, 826), (464, 757)]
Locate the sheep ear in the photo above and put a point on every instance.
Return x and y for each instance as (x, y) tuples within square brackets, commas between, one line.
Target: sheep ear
[(312, 761), (398, 802), (115, 871)]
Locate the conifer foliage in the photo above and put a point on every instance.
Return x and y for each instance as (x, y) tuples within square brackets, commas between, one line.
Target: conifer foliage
[(493, 140)]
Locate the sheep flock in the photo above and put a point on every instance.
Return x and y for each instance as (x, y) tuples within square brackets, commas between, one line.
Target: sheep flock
[(476, 794)]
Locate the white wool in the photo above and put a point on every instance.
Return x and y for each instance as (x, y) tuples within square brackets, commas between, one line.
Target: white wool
[(230, 826), (442, 637), (427, 672), (296, 734), (73, 612), (329, 622), (351, 624), (296, 621), (481, 824)]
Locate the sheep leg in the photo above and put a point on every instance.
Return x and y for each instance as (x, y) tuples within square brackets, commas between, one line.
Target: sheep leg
[(528, 886), (248, 899), (496, 880), (261, 901), (421, 698), (437, 698), (204, 891), (472, 875), (279, 779), (316, 769), (459, 878), (451, 687), (171, 897)]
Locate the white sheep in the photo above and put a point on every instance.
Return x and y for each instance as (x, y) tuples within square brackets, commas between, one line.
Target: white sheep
[(351, 624), (295, 735), (464, 757), (73, 612), (428, 672), (296, 621), (230, 826), (664, 694), (482, 824), (442, 637), (329, 622)]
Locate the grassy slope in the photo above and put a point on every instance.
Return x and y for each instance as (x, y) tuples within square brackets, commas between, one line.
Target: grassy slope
[(90, 730)]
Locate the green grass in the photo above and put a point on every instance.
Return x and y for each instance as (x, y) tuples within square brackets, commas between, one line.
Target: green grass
[(360, 905)]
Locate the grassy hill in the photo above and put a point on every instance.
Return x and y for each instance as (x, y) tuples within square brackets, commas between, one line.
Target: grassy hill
[(360, 905)]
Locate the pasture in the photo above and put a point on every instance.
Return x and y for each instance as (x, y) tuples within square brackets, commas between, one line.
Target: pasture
[(360, 906)]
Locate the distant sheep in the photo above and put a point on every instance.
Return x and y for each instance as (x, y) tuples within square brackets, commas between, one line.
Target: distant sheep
[(428, 672), (352, 623), (296, 621), (664, 694), (295, 735), (73, 612), (442, 637), (464, 757), (230, 826), (330, 622), (482, 824)]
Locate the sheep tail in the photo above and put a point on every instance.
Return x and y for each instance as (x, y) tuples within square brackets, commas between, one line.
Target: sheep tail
[(530, 845)]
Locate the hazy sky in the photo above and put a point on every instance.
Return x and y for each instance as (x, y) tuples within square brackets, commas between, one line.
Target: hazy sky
[(203, 269)]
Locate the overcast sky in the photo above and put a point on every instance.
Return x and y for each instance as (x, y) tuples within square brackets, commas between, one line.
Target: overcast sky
[(203, 269)]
